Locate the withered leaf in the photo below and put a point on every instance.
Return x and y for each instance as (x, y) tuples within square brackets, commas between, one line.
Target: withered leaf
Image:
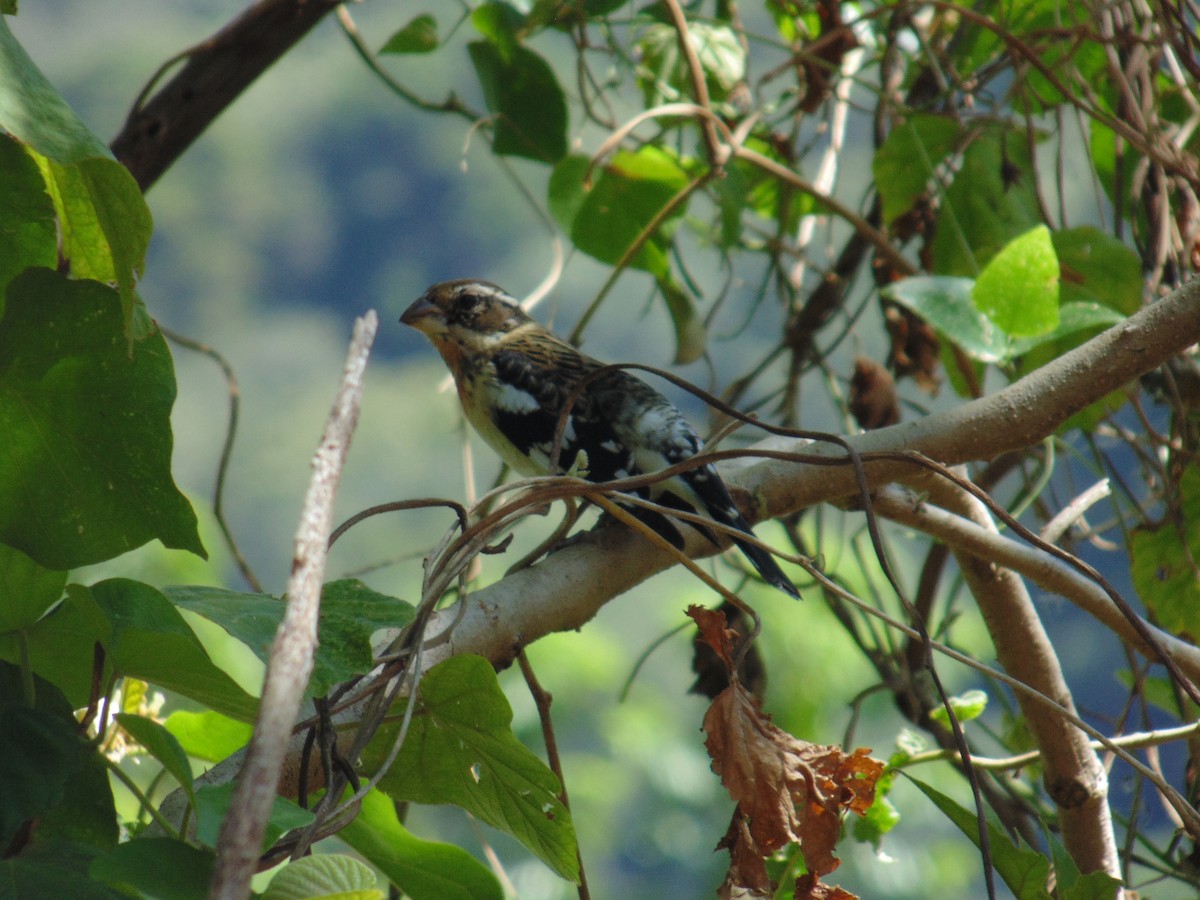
[(788, 790)]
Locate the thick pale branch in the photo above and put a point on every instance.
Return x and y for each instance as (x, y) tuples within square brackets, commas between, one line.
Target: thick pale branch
[(568, 588), (291, 660), (1074, 777)]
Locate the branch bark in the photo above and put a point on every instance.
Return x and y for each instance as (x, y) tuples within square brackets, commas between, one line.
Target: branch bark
[(214, 73), (291, 661)]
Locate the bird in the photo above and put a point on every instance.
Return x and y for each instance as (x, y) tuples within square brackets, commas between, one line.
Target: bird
[(513, 378)]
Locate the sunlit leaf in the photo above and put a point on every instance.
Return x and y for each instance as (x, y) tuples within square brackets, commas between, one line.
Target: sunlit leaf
[(208, 735), (423, 870), (627, 195), (1023, 869), (325, 875), (1018, 289), (33, 111), (160, 744), (460, 749)]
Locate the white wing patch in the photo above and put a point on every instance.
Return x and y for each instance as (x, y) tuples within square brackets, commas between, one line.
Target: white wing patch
[(512, 399)]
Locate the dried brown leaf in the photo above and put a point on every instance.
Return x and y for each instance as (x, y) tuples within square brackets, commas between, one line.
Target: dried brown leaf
[(711, 624), (788, 790), (873, 395)]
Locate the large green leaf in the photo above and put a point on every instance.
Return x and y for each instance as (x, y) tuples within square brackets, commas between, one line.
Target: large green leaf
[(905, 164), (48, 771), (521, 91), (1099, 268), (627, 195), (460, 749), (1018, 289), (991, 200), (423, 870), (139, 633), (26, 589), (350, 613), (1024, 870), (85, 464), (161, 868), (27, 230)]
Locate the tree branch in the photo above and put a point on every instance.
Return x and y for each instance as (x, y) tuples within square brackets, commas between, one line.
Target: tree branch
[(291, 661), (216, 71)]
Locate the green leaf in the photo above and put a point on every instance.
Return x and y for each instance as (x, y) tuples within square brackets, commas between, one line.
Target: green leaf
[(1163, 573), (1018, 290), (28, 232), (104, 222), (212, 804), (26, 589), (141, 634), (1098, 268), (521, 91), (45, 876), (350, 613), (423, 870), (162, 745), (460, 749), (905, 164), (501, 24), (1024, 870), (1071, 884), (967, 706), (945, 303), (161, 868), (628, 193), (324, 875), (208, 735), (991, 201), (40, 751), (34, 112), (418, 36), (85, 465)]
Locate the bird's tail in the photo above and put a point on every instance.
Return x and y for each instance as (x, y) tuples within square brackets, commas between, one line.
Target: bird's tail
[(767, 567)]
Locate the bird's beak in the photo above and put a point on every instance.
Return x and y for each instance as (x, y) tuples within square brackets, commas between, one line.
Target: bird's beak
[(422, 309)]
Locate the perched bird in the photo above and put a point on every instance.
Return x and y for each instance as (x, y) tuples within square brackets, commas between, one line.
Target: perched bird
[(514, 378)]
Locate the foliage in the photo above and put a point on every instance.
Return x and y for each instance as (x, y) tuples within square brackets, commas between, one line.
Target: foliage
[(1032, 182)]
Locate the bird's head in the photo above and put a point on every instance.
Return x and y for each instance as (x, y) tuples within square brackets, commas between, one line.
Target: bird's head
[(469, 313)]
